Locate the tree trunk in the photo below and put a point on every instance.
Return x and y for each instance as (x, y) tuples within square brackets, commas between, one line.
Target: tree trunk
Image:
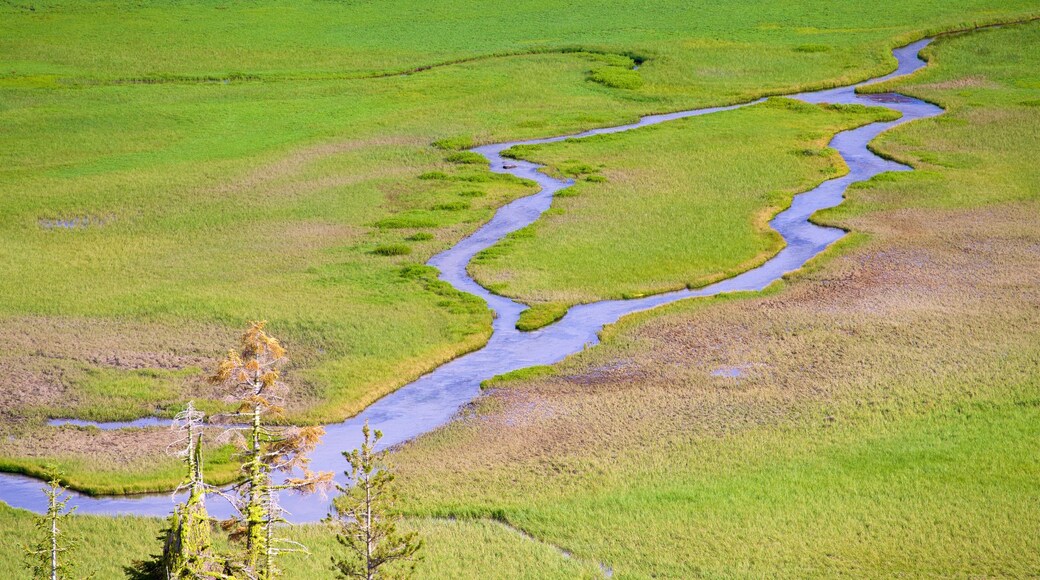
[(255, 508), (54, 535), (368, 528)]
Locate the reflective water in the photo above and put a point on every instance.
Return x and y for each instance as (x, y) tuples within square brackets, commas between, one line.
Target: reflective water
[(434, 399)]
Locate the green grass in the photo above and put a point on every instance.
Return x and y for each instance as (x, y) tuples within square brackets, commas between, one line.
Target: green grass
[(941, 494), (485, 549), (526, 373), (393, 250), (872, 443), (115, 40), (255, 171), (541, 314), (129, 394), (236, 172), (886, 420), (982, 150), (686, 203)]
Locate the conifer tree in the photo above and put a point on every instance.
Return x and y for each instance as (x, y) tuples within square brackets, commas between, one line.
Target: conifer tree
[(187, 548), (48, 558), (365, 518), (251, 377)]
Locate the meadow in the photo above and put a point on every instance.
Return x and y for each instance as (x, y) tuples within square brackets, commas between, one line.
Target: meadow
[(184, 187), (485, 549), (873, 415), (277, 160), (677, 205)]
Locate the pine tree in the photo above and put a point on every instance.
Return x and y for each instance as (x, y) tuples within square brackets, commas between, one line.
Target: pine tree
[(48, 557), (364, 516), (187, 548), (251, 377)]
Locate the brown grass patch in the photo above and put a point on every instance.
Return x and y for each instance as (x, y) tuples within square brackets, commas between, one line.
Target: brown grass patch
[(298, 160), (970, 82), (40, 353), (104, 449)]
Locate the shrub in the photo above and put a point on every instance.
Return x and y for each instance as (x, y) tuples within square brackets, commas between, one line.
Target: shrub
[(417, 271), (392, 250), (468, 157), (434, 175), (406, 221), (452, 206), (456, 143), (577, 168)]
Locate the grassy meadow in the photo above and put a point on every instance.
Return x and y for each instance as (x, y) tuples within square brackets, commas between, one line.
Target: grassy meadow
[(255, 165), (883, 420), (486, 549), (681, 204), (276, 160)]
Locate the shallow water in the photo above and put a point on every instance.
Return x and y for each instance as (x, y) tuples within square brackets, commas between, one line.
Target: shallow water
[(435, 398), (113, 425), (728, 372)]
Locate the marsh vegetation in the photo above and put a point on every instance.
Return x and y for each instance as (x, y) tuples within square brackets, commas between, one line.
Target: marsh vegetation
[(302, 165)]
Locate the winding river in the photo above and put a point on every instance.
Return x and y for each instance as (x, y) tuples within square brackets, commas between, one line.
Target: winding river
[(434, 399)]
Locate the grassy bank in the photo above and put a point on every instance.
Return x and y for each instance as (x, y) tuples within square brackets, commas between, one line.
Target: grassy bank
[(882, 419)]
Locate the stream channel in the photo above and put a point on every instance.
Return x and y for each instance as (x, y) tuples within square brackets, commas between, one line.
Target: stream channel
[(434, 399)]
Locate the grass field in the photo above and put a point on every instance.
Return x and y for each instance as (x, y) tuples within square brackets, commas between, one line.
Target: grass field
[(486, 549), (239, 170), (884, 419), (691, 44), (155, 196), (683, 204)]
